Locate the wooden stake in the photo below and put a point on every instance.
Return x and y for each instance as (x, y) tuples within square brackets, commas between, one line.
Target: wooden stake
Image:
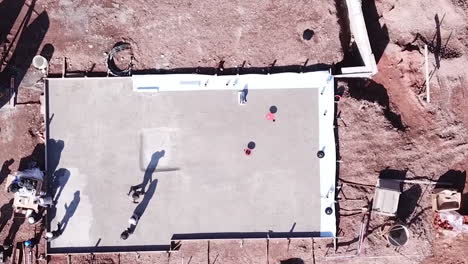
[(362, 233), (12, 91), (64, 67), (426, 66)]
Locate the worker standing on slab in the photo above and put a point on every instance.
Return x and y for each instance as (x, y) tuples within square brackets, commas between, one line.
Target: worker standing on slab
[(133, 221), (125, 234), (135, 195)]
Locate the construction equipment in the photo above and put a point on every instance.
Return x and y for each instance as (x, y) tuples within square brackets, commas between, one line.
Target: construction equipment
[(26, 186)]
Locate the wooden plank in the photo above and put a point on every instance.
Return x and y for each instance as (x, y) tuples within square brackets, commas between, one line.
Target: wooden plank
[(426, 66)]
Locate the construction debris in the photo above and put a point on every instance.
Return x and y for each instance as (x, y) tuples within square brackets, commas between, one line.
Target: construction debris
[(450, 221), (386, 197), (445, 200), (114, 62)]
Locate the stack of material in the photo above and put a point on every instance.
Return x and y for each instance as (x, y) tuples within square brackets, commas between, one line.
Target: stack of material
[(26, 186), (386, 197)]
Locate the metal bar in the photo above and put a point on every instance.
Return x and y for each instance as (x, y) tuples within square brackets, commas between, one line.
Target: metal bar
[(64, 67), (423, 182), (375, 257), (426, 67)]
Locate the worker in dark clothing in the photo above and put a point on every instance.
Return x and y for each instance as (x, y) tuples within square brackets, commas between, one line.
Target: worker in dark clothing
[(135, 195), (124, 235), (133, 221), (49, 236)]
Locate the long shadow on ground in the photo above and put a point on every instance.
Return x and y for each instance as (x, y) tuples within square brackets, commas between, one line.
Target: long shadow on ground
[(30, 38), (9, 11), (372, 91)]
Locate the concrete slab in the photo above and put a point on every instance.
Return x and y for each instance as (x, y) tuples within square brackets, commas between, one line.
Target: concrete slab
[(187, 149)]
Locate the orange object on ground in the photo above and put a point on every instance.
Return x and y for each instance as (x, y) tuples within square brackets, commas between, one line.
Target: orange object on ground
[(270, 117)]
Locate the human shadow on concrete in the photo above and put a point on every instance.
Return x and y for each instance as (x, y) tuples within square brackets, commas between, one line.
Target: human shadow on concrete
[(55, 179), (59, 180), (54, 150), (28, 40), (69, 211), (150, 169), (372, 91), (57, 184), (5, 171), (6, 213)]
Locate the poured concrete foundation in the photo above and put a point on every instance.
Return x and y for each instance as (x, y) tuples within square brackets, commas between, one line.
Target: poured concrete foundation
[(187, 149)]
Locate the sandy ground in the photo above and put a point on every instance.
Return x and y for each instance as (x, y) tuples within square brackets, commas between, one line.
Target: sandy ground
[(387, 126), (384, 124), (20, 139), (189, 34)]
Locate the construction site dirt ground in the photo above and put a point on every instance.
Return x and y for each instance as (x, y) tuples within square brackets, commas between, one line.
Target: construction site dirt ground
[(385, 125)]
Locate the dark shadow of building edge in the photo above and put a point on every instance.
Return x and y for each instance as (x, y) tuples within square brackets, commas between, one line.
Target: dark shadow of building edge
[(191, 236), (294, 68), (106, 249), (244, 235)]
